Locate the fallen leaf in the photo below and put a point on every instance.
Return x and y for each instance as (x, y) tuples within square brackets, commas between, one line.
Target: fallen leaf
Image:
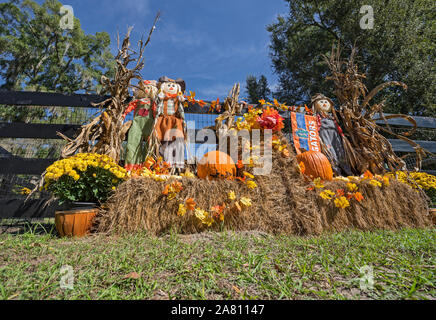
[(278, 268), (236, 289), (132, 275)]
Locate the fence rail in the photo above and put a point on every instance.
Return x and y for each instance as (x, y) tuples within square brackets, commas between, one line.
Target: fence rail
[(15, 165)]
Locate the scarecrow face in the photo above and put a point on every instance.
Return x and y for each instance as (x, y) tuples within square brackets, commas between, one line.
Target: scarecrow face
[(146, 91), (324, 105), (170, 88)]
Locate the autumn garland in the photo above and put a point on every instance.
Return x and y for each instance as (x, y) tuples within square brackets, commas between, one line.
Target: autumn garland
[(342, 197)]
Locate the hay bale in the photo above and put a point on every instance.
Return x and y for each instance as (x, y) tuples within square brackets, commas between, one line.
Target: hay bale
[(281, 205)]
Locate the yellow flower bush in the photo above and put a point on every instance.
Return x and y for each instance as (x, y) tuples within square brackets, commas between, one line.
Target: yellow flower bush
[(86, 177), (416, 180)]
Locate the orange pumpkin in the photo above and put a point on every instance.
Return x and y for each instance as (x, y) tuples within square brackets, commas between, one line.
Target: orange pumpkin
[(316, 165), (216, 164)]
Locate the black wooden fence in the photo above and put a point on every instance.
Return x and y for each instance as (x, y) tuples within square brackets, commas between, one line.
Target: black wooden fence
[(22, 167)]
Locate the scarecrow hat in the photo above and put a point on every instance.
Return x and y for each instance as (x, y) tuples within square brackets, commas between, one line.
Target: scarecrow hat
[(320, 96), (179, 81), (148, 83)]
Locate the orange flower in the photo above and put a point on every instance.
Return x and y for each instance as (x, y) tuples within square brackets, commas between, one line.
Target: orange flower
[(270, 119), (358, 196), (340, 192), (190, 204)]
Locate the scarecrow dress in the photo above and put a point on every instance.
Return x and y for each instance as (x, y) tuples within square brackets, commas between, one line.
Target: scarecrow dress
[(331, 136), (169, 130)]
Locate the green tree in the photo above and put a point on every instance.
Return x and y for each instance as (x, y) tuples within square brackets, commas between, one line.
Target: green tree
[(257, 89), (38, 54), (401, 46)]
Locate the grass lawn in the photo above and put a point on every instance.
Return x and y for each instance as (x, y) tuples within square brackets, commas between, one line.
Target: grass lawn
[(248, 265)]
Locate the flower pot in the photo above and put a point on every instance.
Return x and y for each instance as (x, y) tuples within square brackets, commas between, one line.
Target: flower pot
[(76, 222)]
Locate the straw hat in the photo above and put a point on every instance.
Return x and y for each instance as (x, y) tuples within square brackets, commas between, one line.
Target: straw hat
[(320, 96), (179, 81)]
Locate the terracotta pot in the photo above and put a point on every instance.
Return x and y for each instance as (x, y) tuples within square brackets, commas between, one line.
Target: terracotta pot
[(76, 222)]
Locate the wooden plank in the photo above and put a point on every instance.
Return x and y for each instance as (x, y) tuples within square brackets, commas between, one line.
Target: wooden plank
[(49, 99), (402, 146), (31, 209), (5, 153), (36, 130), (48, 131), (422, 122), (24, 166)]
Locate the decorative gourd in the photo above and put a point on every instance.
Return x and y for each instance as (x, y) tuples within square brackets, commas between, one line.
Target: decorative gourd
[(216, 164), (316, 165)]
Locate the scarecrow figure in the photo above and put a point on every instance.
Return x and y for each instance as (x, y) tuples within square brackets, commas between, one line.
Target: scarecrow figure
[(145, 111), (331, 134), (170, 124)]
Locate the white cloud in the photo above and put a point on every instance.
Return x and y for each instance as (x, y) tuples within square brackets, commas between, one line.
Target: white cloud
[(168, 32), (218, 90)]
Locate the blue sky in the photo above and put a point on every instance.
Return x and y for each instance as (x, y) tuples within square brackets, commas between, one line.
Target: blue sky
[(210, 44)]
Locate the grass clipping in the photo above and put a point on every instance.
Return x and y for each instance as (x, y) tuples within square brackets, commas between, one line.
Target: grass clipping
[(281, 204)]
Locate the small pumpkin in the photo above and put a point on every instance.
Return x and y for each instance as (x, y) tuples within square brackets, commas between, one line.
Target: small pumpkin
[(216, 164), (316, 165)]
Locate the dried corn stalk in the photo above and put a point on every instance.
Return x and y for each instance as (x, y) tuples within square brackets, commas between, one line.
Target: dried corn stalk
[(105, 133), (231, 107), (366, 148)]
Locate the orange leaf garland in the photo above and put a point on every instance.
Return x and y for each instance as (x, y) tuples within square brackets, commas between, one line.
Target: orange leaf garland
[(358, 196), (190, 204)]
